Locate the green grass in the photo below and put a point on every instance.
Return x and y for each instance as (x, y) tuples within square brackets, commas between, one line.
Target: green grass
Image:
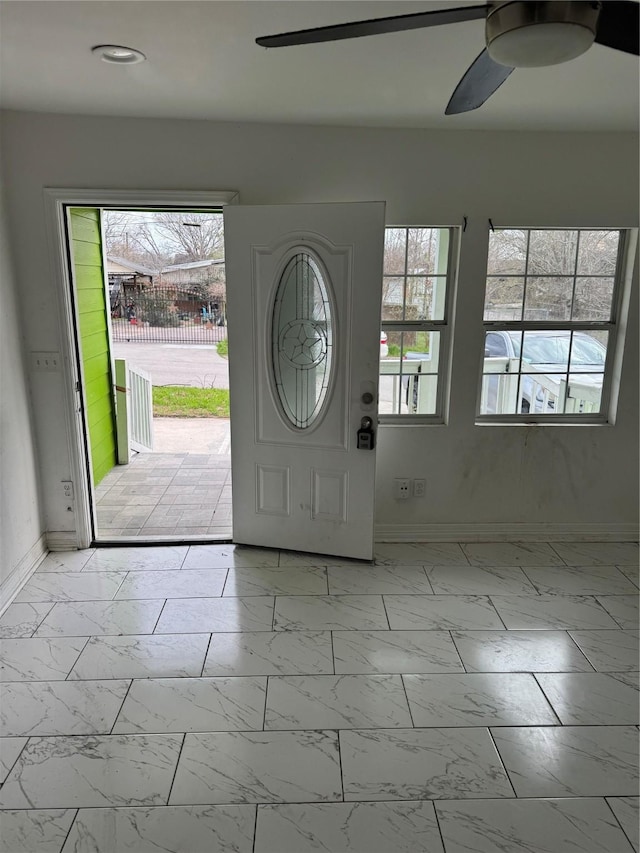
[(223, 348), (180, 401)]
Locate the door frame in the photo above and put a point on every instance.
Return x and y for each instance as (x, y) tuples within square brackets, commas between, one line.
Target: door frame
[(56, 202)]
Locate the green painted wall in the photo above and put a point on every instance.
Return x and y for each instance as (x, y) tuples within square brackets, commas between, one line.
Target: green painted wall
[(88, 277)]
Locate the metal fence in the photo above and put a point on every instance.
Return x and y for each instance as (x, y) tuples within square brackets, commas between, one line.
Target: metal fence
[(166, 315)]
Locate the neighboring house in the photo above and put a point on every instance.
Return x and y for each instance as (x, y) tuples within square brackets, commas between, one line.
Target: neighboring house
[(126, 280), (197, 285), (194, 272)]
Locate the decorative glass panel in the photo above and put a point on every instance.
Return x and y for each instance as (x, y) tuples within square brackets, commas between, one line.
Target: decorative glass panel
[(302, 340)]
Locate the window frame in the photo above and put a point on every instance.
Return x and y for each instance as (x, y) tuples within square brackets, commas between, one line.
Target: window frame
[(443, 327), (611, 326)]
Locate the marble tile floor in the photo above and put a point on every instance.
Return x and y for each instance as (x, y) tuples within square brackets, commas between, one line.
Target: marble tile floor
[(448, 698), (160, 495)]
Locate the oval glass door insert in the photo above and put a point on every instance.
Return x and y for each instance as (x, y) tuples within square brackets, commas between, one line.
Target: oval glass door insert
[(302, 340)]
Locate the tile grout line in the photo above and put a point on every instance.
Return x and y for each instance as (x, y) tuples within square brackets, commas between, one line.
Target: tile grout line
[(73, 666), (71, 825), (255, 829), (155, 624), (504, 767), (24, 746), (606, 799), (333, 653), (204, 660), (386, 613), (266, 695), (406, 696), (226, 579), (126, 693), (426, 574), (339, 745), (435, 813), (460, 658), (490, 600), (175, 771), (549, 702)]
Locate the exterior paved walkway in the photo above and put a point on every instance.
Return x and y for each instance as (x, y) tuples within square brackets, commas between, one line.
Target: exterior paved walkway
[(184, 490)]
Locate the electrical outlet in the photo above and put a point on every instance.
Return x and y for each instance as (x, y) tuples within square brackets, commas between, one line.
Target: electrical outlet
[(419, 488), (45, 361), (67, 490), (403, 489)]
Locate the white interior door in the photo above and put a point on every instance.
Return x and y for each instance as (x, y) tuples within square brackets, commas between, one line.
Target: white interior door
[(304, 286)]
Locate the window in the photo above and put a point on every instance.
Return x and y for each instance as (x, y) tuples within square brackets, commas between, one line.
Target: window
[(550, 322), (415, 334)]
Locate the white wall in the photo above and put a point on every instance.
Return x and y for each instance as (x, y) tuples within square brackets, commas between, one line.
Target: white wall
[(20, 522), (553, 475)]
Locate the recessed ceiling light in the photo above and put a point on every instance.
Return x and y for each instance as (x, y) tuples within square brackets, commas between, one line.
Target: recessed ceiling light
[(117, 54)]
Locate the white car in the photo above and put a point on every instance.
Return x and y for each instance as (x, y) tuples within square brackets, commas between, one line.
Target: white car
[(546, 351)]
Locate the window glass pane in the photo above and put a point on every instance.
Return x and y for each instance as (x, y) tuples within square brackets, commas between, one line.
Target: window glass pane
[(544, 394), (427, 251), (499, 393), (598, 252), (395, 245), (585, 393), (392, 298), (425, 298), (409, 373), (546, 351), (507, 252), (495, 346), (302, 340), (552, 252), (503, 300), (389, 392), (593, 299), (548, 298), (588, 354)]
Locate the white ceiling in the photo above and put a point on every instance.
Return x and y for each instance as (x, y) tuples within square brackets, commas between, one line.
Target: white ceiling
[(203, 64)]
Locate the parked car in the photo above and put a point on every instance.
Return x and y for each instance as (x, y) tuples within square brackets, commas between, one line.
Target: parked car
[(547, 351)]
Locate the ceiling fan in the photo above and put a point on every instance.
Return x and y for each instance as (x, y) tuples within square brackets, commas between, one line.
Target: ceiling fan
[(518, 33)]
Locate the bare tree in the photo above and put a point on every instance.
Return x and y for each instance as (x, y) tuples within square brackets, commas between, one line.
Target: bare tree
[(191, 237), (162, 238), (569, 274)]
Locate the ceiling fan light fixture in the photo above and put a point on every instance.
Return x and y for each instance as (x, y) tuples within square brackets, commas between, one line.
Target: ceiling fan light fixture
[(118, 54), (540, 45), (531, 35)]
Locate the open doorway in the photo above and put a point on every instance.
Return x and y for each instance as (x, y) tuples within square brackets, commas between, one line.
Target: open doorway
[(152, 340)]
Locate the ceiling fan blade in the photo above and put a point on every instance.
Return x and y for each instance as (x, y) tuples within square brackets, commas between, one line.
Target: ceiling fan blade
[(375, 26), (619, 25), (480, 81)]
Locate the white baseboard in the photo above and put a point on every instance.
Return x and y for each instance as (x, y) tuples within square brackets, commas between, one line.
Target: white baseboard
[(62, 540), (22, 572), (578, 532)]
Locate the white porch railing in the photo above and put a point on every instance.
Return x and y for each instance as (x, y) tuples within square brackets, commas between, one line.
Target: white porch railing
[(500, 391), (134, 410), (421, 387)]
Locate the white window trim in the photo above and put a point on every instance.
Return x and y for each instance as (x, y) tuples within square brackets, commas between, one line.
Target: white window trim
[(615, 344)]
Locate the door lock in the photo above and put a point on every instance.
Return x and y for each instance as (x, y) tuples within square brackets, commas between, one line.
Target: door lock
[(366, 438), (367, 398)]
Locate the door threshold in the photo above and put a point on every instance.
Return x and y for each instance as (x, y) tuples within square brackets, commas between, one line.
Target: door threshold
[(150, 541)]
